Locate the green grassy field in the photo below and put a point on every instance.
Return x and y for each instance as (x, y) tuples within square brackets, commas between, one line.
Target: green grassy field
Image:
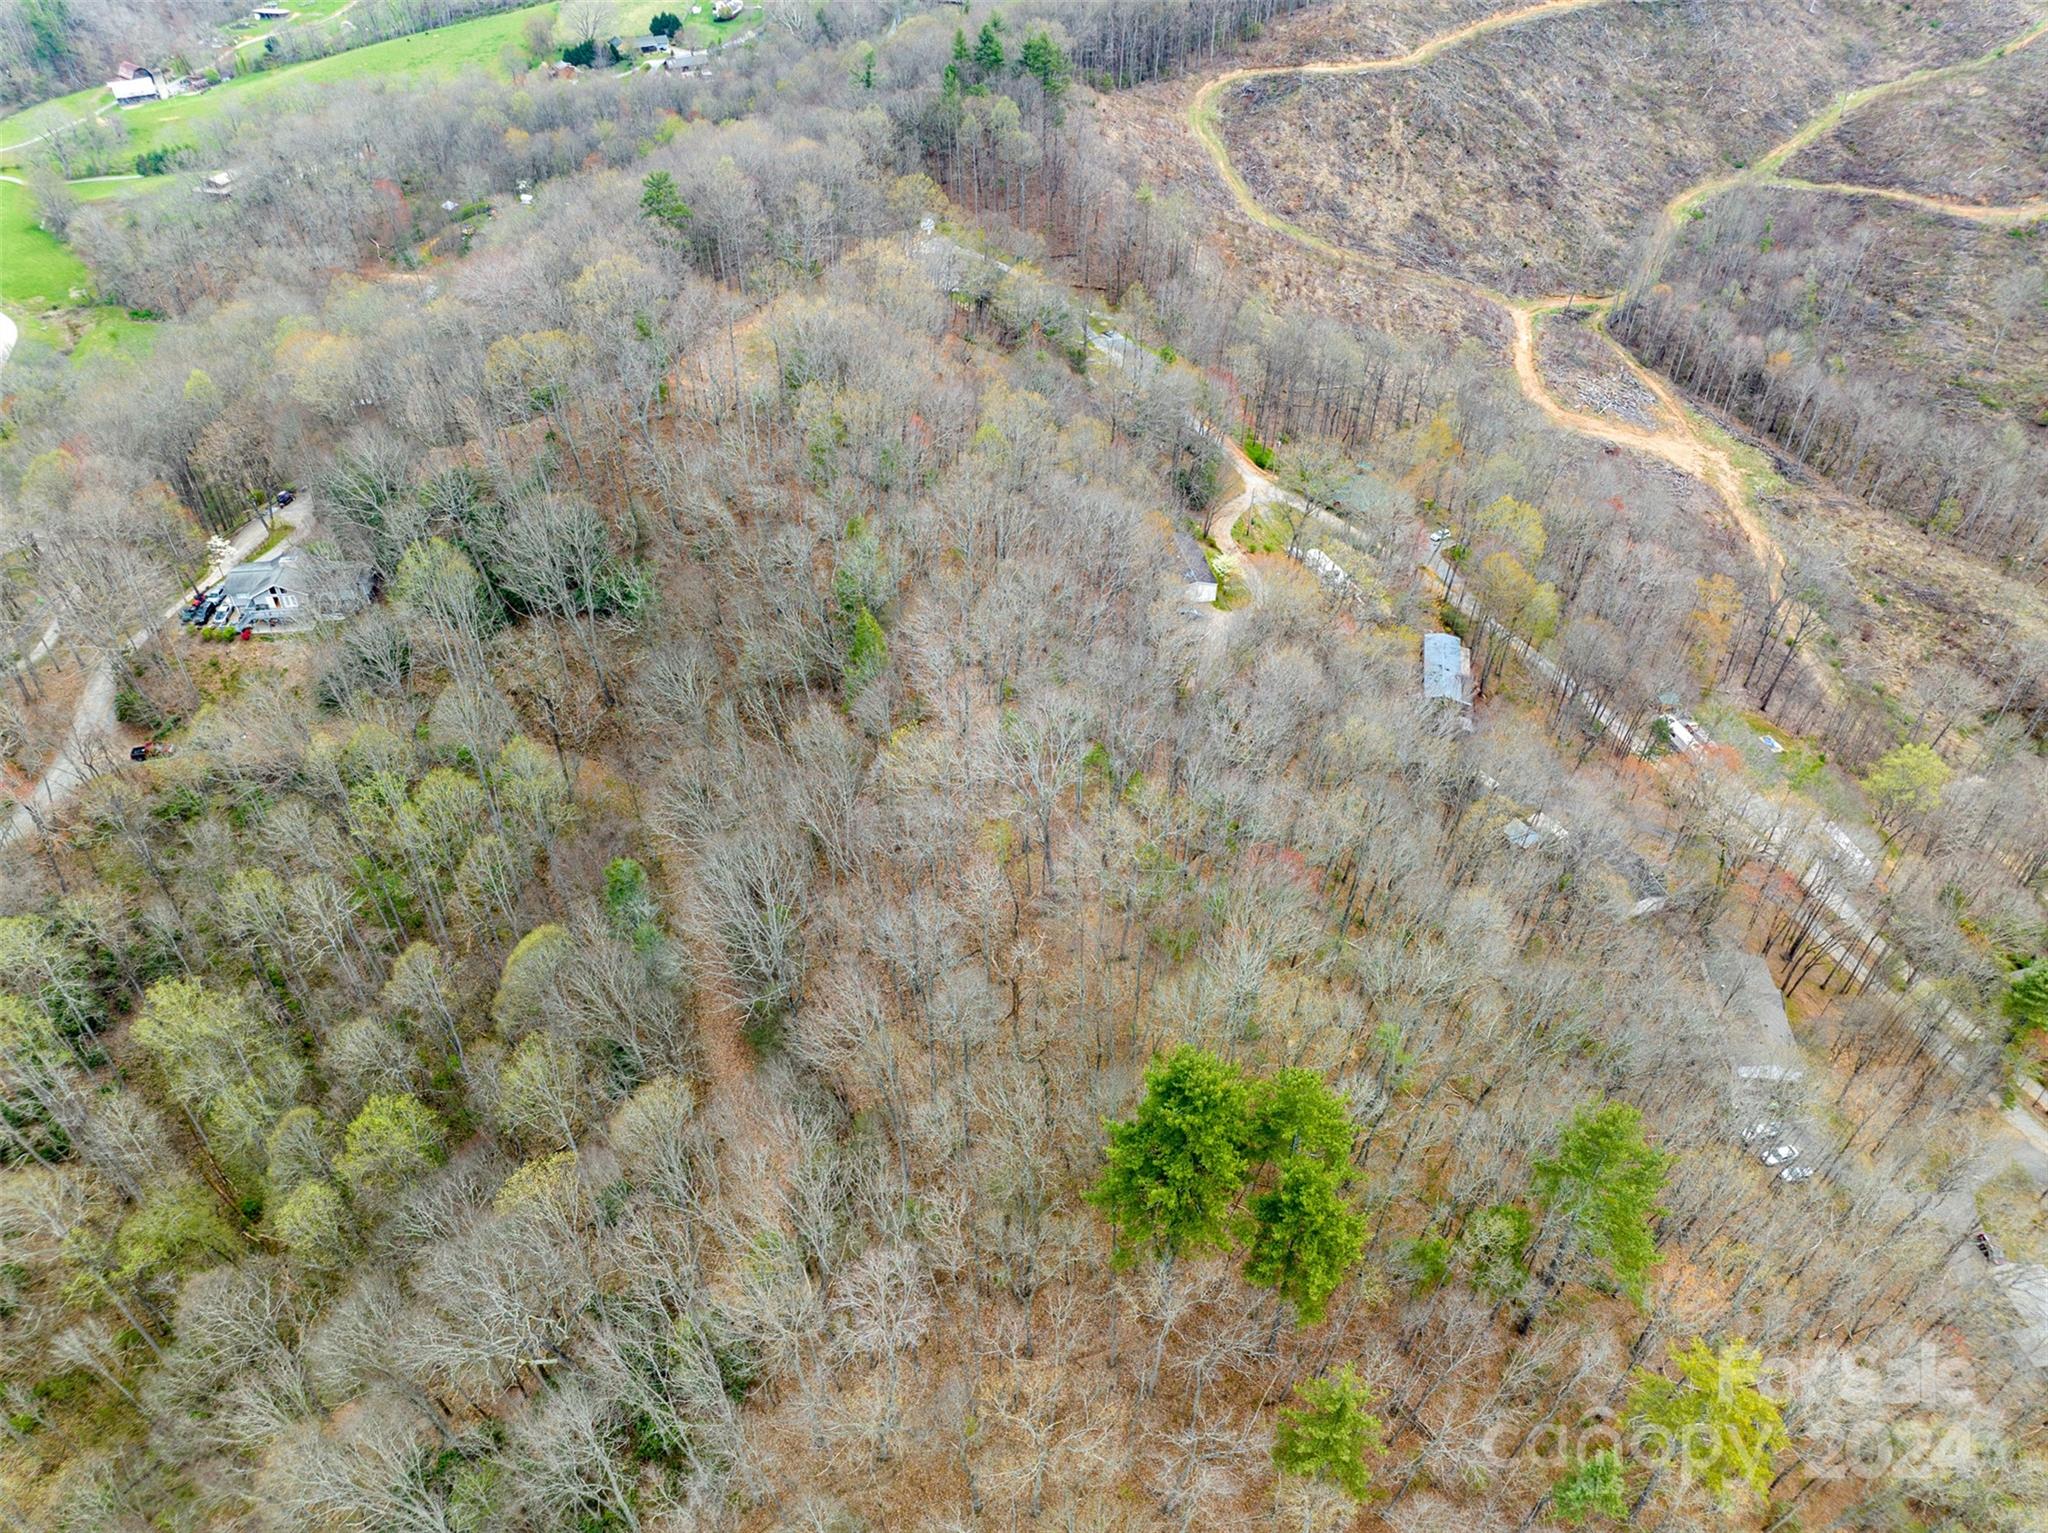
[(304, 14), (39, 274), (447, 51), (37, 270), (630, 18), (482, 43)]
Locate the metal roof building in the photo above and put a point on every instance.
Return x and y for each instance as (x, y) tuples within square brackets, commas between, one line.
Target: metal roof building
[(1446, 670)]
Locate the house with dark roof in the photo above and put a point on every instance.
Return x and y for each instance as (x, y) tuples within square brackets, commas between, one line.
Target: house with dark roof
[(1198, 581), (288, 590)]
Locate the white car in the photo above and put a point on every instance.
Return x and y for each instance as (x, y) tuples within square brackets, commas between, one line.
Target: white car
[(1781, 1155), (1758, 1131), (1796, 1174)]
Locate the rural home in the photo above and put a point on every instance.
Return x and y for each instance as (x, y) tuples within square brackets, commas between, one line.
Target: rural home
[(140, 85), (653, 42), (272, 13), (1447, 673), (220, 184), (286, 591), (1197, 580)]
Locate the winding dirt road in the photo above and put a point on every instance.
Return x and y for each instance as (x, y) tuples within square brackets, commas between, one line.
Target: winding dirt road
[(1675, 440)]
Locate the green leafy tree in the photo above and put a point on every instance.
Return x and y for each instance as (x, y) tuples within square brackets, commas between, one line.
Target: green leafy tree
[(1305, 1236), (314, 1224), (628, 898), (867, 651), (1175, 1168), (178, 1228), (663, 205), (526, 987), (394, 1140), (2026, 1001), (34, 1064), (988, 48), (1593, 1488), (1295, 1112), (1045, 61), (1332, 1434), (226, 1065), (1604, 1181), (295, 1153), (867, 70), (1713, 1420), (582, 54), (665, 24), (1905, 784)]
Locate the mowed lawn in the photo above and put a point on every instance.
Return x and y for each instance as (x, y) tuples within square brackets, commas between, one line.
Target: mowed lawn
[(39, 273), (447, 51), (37, 270), (630, 18)]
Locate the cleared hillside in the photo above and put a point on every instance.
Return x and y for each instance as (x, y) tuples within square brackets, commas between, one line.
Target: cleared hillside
[(1530, 158), (1980, 137)]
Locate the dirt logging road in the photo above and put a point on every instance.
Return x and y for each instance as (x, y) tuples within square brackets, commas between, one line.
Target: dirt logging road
[(1674, 439)]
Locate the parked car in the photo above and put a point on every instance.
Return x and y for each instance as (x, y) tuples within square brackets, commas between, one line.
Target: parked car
[(1781, 1155), (1765, 1130), (149, 748), (286, 497), (1796, 1174), (1984, 1247)]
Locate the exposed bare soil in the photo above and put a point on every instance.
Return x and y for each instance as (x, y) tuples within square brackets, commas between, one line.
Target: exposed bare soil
[(1585, 374)]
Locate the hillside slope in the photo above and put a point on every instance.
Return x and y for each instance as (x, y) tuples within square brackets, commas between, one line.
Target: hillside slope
[(1530, 158)]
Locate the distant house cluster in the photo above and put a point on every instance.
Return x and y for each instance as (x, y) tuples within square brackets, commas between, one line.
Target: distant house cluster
[(133, 84)]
